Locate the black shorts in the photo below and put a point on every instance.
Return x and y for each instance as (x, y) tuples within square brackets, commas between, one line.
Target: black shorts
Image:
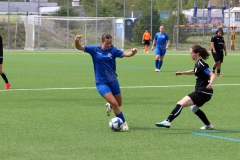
[(147, 42), (199, 98), (1, 50), (218, 56)]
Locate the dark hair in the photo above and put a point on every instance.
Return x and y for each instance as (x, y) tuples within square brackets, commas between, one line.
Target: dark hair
[(146, 28), (220, 30), (202, 51), (106, 36)]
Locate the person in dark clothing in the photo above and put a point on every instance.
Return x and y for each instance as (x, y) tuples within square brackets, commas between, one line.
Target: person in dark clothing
[(7, 85), (218, 45), (203, 89)]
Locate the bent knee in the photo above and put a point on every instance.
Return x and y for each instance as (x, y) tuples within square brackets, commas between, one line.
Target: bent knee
[(194, 108)]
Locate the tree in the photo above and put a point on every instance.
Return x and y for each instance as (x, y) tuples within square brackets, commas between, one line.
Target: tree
[(145, 22), (170, 25), (62, 11), (111, 8), (166, 4)]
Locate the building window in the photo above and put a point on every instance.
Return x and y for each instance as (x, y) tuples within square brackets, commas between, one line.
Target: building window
[(237, 16)]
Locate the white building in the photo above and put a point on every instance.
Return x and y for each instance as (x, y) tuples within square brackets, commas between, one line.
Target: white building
[(234, 18), (216, 16)]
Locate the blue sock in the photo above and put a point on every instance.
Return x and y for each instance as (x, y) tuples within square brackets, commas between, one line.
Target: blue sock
[(156, 63), (160, 64), (120, 115)]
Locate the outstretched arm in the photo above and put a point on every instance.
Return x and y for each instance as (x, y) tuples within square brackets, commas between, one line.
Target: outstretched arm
[(77, 44), (130, 54), (190, 72)]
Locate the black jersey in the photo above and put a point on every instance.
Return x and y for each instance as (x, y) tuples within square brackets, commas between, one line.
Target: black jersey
[(1, 50), (202, 79), (218, 42), (1, 47)]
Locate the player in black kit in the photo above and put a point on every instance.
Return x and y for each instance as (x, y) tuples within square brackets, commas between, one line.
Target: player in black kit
[(203, 89), (218, 45), (7, 85)]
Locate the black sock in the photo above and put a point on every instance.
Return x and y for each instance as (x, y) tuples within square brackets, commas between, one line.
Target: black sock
[(213, 68), (203, 117), (175, 112), (4, 77), (218, 71)]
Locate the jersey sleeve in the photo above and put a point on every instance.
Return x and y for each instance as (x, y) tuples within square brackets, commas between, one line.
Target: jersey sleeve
[(89, 49), (207, 71), (167, 37), (117, 53), (155, 37), (213, 39), (201, 66)]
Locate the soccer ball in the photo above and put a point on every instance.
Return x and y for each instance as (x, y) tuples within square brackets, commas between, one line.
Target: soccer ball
[(116, 124)]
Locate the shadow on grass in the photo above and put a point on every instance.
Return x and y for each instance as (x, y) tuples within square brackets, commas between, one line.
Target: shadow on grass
[(160, 129)]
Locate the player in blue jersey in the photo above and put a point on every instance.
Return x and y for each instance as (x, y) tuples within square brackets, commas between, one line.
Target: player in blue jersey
[(104, 63), (7, 85), (203, 89), (162, 41)]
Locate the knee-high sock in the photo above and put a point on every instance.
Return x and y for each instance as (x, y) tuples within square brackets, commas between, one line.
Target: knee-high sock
[(4, 77), (120, 115), (202, 116), (160, 64), (157, 63), (146, 48), (175, 112)]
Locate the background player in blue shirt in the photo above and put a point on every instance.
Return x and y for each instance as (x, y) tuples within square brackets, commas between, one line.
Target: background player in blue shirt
[(104, 63), (162, 42), (203, 89)]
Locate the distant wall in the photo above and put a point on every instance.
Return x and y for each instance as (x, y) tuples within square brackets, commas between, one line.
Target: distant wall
[(23, 6)]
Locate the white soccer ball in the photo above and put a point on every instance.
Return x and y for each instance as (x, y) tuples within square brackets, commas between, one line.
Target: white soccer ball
[(116, 124)]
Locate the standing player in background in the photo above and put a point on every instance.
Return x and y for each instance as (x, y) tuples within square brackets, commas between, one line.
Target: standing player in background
[(203, 89), (162, 42), (104, 62), (1, 62), (146, 38), (218, 45)]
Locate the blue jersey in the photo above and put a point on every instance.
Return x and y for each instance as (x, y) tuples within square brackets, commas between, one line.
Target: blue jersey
[(104, 63), (161, 40)]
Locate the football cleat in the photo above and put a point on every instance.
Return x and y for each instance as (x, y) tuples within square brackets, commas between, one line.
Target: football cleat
[(109, 109), (209, 127), (7, 86), (163, 124), (125, 126)]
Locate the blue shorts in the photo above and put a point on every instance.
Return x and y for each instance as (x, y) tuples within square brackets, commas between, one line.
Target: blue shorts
[(160, 52), (112, 87)]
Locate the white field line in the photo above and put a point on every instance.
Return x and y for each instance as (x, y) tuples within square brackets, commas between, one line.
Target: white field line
[(127, 87), (82, 53)]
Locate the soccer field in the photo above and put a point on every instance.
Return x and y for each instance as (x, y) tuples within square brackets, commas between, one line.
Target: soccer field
[(53, 111)]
